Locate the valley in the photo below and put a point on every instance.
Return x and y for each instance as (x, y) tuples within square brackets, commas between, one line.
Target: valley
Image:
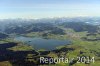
[(23, 42)]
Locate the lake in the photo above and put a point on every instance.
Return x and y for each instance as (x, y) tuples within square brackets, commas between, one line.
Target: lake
[(41, 43)]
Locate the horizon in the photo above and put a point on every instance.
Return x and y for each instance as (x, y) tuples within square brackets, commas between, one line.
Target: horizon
[(37, 9), (54, 17)]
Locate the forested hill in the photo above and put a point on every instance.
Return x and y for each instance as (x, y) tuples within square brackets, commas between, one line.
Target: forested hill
[(3, 36), (22, 26)]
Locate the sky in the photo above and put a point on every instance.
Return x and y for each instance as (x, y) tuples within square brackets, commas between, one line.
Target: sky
[(48, 8)]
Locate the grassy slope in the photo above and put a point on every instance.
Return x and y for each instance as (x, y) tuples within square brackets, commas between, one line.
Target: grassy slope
[(89, 48)]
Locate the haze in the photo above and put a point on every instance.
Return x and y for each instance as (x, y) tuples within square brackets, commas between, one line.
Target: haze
[(48, 8)]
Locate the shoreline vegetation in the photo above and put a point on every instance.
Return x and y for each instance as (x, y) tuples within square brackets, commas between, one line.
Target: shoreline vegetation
[(85, 40)]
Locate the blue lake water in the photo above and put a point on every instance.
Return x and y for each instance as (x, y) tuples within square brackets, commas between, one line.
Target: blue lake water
[(41, 43)]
